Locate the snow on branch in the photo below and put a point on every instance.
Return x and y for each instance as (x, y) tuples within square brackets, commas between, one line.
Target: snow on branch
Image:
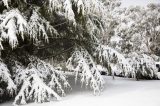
[(90, 7), (18, 71), (11, 24), (68, 10), (34, 89), (39, 27), (5, 76), (95, 27), (114, 60), (82, 64), (79, 4), (144, 65), (85, 7), (5, 2), (57, 80), (41, 83), (55, 5), (64, 7)]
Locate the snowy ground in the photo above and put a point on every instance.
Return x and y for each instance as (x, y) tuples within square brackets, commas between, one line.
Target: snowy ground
[(118, 92)]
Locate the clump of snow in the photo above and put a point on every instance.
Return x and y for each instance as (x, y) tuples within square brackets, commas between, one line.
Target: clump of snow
[(116, 39), (101, 68), (68, 10), (158, 75), (5, 3), (158, 28), (80, 6)]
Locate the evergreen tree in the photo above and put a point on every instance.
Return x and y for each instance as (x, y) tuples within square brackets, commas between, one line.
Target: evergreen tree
[(68, 31)]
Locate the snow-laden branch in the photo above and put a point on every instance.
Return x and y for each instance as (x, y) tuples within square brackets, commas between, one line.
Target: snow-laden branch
[(11, 24), (5, 2), (41, 83), (6, 77), (144, 65), (94, 27), (38, 27), (114, 60), (57, 82), (34, 89), (85, 7), (18, 72), (82, 64)]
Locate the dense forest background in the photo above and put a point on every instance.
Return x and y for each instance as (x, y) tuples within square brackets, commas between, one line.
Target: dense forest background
[(41, 40)]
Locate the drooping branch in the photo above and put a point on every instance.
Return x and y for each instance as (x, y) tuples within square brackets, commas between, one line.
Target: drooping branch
[(12, 23), (82, 64), (41, 83), (5, 76), (110, 58)]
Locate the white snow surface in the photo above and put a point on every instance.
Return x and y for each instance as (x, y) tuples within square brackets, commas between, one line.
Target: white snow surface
[(118, 92)]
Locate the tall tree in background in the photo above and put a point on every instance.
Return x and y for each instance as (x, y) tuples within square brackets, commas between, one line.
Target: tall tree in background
[(137, 28)]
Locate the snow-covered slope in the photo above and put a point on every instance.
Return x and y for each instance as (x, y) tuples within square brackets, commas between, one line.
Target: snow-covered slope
[(118, 92)]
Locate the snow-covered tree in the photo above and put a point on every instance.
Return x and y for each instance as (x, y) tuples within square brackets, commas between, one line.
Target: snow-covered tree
[(113, 8), (114, 61), (32, 32), (136, 33)]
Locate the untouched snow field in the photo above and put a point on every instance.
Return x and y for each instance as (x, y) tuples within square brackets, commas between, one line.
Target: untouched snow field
[(118, 92)]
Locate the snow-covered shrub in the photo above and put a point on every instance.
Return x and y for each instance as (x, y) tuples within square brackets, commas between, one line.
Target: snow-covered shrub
[(83, 65), (115, 62), (144, 66)]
